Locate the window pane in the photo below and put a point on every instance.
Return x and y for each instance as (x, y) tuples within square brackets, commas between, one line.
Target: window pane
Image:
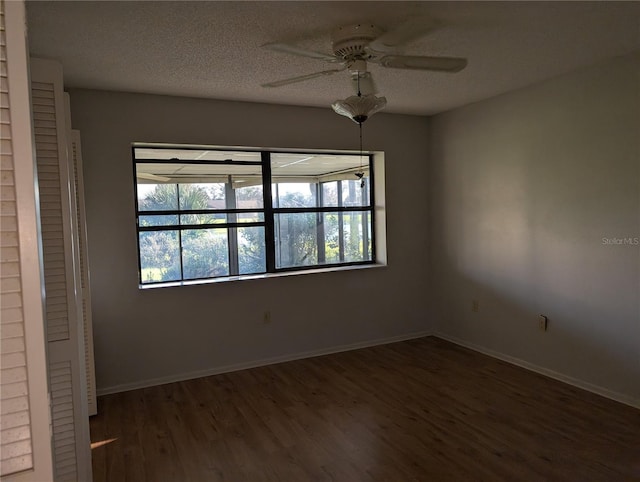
[(354, 193), (202, 196), (201, 186), (159, 220), (248, 197), (294, 195), (330, 194), (251, 250), (205, 253), (203, 154), (159, 256), (221, 218), (356, 236), (203, 218), (296, 239), (316, 164), (157, 197), (331, 237), (249, 217)]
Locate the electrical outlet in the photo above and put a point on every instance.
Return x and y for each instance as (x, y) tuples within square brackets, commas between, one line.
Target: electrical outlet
[(543, 322), (266, 318), (475, 306)]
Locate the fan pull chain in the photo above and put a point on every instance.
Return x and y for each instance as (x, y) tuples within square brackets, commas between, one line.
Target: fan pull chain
[(360, 173), (360, 125)]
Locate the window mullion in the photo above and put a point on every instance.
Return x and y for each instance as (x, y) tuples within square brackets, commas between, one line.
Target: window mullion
[(365, 224), (372, 204), (180, 232), (340, 225), (232, 233), (269, 229), (320, 234)]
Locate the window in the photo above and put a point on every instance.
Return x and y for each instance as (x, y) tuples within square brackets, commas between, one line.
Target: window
[(207, 213)]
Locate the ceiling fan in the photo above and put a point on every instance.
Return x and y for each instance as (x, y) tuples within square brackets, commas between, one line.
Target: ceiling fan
[(355, 45)]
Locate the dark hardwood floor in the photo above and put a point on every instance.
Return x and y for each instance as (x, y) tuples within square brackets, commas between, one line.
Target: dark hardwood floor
[(420, 410)]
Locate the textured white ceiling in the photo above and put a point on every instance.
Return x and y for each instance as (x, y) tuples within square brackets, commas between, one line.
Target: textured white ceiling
[(212, 49)]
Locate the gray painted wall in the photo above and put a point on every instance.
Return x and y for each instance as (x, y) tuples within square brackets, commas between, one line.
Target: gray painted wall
[(523, 189), (143, 335)]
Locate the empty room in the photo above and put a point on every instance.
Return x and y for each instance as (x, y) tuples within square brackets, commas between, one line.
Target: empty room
[(296, 241)]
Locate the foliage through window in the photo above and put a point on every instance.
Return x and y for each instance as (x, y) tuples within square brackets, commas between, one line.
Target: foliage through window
[(207, 212)]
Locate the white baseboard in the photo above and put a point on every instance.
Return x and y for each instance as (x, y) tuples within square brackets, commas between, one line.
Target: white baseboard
[(618, 397), (256, 363)]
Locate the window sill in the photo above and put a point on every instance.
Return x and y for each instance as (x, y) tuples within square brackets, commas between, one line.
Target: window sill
[(228, 279)]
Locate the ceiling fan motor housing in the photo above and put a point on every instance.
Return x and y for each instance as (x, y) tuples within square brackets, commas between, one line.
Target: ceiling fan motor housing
[(349, 42)]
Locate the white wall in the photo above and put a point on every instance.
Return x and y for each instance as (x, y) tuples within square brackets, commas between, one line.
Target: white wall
[(145, 335), (523, 189)]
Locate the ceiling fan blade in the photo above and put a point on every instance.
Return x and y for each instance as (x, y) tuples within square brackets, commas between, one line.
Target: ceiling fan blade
[(417, 62), (406, 32), (367, 84), (301, 78), (292, 49)]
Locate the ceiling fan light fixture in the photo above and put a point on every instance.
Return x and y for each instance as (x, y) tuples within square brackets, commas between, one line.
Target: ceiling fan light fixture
[(359, 108)]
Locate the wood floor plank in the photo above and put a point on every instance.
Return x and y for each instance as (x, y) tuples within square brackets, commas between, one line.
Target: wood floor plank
[(420, 410)]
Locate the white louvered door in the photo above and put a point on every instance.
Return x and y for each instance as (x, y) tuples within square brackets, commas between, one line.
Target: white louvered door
[(63, 292), (25, 445), (83, 266), (15, 430)]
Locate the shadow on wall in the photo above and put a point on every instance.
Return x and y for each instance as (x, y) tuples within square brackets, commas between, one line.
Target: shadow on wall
[(528, 193), (519, 254), (503, 268)]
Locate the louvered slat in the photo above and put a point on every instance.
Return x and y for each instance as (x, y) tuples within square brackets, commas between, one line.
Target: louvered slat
[(12, 360), (14, 405), (19, 418), (51, 211), (15, 430), (64, 441), (76, 158)]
